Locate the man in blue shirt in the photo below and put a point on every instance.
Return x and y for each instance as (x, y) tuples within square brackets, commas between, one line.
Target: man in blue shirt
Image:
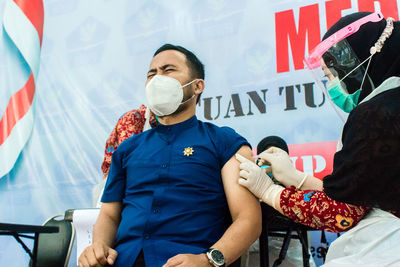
[(172, 196)]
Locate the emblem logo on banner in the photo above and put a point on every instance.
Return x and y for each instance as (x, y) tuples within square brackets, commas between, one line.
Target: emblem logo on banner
[(23, 23)]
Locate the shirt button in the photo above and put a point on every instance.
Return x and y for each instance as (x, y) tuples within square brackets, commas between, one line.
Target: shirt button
[(147, 236), (164, 165), (155, 210)]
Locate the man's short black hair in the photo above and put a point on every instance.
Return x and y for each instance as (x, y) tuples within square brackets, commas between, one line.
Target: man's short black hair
[(195, 66)]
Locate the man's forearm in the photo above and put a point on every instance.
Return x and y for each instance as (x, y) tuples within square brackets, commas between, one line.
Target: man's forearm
[(238, 238), (105, 231), (106, 226)]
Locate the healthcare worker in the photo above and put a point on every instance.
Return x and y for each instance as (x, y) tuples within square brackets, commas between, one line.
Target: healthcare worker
[(359, 61)]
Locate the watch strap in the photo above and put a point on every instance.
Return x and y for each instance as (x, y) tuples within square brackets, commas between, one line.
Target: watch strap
[(208, 253)]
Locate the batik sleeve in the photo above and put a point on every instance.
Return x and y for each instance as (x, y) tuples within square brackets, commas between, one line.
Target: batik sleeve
[(316, 210)]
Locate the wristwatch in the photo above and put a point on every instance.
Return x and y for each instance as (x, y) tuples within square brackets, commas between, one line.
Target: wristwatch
[(215, 257)]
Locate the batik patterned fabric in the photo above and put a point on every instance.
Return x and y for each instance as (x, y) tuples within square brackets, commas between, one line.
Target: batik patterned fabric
[(315, 209), (132, 122)]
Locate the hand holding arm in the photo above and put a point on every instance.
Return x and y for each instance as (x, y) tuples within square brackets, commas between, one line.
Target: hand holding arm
[(255, 179), (284, 171)]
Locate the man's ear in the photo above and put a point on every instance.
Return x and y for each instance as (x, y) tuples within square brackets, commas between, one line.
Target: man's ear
[(198, 86)]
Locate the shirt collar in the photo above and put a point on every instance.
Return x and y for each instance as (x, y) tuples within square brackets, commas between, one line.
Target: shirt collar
[(177, 127)]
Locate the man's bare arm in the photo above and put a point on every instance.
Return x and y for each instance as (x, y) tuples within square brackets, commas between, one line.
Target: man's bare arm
[(245, 211), (105, 229), (104, 233)]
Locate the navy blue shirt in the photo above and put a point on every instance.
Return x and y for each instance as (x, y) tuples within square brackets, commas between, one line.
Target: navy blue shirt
[(169, 181)]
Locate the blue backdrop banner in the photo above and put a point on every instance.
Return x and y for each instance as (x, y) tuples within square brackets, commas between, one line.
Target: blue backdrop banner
[(93, 65)]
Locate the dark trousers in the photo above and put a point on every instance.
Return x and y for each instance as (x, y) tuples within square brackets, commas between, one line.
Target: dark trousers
[(139, 260)]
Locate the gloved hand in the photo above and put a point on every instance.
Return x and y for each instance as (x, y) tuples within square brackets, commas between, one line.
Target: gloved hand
[(257, 181), (281, 167)]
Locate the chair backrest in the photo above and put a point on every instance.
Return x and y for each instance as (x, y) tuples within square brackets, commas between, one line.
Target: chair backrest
[(54, 249)]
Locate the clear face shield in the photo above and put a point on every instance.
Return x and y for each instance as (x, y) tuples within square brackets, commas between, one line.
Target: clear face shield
[(337, 70)]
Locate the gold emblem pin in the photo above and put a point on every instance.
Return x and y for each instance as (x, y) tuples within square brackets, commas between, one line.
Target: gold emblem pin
[(188, 151)]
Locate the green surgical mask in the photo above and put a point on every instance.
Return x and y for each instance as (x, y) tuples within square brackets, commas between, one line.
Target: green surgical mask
[(343, 100)]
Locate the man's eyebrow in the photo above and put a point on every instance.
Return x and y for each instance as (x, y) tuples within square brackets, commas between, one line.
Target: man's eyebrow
[(162, 67), (167, 66), (151, 70)]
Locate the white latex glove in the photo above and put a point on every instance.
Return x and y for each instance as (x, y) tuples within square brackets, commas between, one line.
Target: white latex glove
[(255, 180), (281, 167)]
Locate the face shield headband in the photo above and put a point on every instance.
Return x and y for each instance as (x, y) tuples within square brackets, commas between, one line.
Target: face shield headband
[(337, 69), (314, 60)]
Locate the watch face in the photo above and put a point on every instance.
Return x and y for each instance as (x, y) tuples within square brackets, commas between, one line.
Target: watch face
[(218, 257)]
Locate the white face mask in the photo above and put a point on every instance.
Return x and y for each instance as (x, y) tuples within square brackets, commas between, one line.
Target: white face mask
[(165, 94)]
